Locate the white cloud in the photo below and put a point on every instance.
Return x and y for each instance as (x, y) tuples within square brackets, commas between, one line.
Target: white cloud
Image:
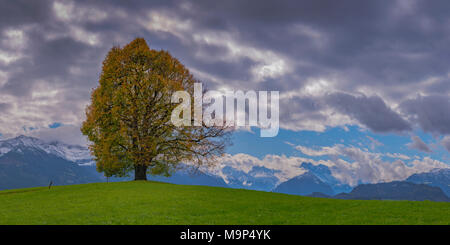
[(8, 57), (269, 64), (72, 15), (38, 110), (369, 167), (160, 21), (67, 11), (69, 134), (13, 42), (398, 156), (364, 167), (323, 151), (288, 166), (14, 39)]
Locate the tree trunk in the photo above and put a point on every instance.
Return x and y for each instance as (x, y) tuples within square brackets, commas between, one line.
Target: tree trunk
[(140, 172)]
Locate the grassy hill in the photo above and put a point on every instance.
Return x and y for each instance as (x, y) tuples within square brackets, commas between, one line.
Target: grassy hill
[(160, 203)]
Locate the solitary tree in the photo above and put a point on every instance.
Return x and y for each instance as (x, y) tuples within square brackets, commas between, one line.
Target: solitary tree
[(128, 120)]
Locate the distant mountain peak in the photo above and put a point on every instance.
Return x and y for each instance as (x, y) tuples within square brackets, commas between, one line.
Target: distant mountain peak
[(440, 171), (324, 173), (22, 139), (304, 184), (396, 190), (30, 162), (314, 168), (439, 177), (308, 175), (257, 178), (74, 153)]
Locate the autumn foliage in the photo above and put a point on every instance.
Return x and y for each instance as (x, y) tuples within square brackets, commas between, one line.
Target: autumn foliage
[(128, 120)]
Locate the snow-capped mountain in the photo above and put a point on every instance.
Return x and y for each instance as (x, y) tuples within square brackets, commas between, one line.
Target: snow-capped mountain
[(324, 174), (439, 177), (258, 178), (396, 190), (72, 153), (304, 184), (266, 179), (27, 162), (30, 162)]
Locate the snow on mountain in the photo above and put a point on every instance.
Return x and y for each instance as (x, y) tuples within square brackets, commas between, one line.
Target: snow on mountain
[(304, 184), (325, 175), (436, 177), (396, 190), (258, 178), (73, 153)]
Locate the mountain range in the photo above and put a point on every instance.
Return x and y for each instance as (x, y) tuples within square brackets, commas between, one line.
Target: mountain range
[(418, 187), (29, 162), (396, 190), (324, 174), (73, 153), (258, 178), (437, 177), (303, 185)]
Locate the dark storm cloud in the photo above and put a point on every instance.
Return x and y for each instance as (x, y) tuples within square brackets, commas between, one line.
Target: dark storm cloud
[(301, 112), (4, 107), (49, 61), (52, 69), (386, 42), (370, 111), (446, 143), (15, 13), (394, 49), (418, 144), (431, 113)]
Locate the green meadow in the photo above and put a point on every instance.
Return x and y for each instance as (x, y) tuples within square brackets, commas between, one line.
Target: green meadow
[(148, 202)]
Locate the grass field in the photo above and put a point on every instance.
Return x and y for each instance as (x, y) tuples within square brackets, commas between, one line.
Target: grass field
[(160, 203)]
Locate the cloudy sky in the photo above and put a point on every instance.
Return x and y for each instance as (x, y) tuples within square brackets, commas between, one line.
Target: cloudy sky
[(364, 85)]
